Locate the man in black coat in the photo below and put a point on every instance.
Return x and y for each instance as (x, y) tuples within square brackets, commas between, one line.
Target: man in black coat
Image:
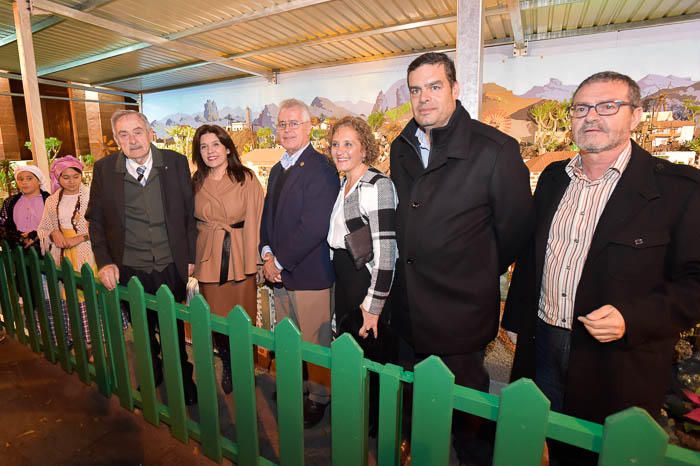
[(141, 215), (613, 274), (464, 212)]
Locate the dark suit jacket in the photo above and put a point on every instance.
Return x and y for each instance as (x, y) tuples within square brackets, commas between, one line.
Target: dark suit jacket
[(106, 208), (460, 222), (644, 260), (296, 229)]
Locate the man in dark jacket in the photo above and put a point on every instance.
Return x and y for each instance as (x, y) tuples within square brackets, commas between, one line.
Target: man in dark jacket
[(465, 210), (302, 188), (142, 225), (613, 274)]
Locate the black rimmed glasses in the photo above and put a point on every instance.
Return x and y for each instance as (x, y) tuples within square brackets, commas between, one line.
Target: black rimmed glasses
[(293, 124), (608, 108)]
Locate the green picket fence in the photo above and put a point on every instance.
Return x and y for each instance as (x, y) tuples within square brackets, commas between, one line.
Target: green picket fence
[(522, 412)]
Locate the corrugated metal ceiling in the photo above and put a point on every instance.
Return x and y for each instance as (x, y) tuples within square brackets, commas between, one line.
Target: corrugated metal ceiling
[(266, 36)]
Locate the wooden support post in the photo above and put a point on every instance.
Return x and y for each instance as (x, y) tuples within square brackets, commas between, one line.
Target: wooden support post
[(25, 46), (470, 52)]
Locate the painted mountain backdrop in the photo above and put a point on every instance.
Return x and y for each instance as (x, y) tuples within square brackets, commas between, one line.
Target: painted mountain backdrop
[(501, 107)]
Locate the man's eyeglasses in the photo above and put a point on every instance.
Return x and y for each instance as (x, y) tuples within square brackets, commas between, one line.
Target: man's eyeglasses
[(290, 124), (601, 108)]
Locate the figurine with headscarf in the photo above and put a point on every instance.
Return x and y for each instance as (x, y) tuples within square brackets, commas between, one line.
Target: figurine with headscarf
[(63, 230), (21, 213)]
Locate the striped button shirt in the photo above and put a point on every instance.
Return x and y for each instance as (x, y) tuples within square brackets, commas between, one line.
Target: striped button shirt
[(570, 237)]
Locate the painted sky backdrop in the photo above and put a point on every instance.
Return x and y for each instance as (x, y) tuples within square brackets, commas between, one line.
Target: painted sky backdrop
[(663, 50)]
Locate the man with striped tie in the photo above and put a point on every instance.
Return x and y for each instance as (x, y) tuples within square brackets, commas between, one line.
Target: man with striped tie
[(142, 225)]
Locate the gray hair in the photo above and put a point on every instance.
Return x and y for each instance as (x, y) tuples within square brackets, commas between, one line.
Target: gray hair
[(634, 95), (119, 114), (291, 103)]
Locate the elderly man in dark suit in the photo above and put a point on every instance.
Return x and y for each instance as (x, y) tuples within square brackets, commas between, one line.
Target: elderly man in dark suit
[(464, 213), (301, 192), (613, 274), (142, 223)]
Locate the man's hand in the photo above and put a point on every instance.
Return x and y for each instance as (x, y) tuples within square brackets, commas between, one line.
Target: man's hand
[(369, 322), (109, 276), (58, 239), (605, 324), (190, 270), (270, 270)]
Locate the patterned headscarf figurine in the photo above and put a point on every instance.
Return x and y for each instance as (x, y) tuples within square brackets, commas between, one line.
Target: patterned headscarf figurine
[(61, 164)]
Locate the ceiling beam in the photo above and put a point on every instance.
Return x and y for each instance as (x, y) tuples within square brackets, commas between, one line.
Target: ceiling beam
[(137, 34), (516, 24), (598, 29), (308, 43), (53, 20), (253, 15)]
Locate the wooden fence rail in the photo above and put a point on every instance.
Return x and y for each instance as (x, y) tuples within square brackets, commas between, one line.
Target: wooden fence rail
[(524, 420)]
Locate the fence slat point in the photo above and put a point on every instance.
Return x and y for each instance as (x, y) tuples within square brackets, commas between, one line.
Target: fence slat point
[(431, 421), (27, 299), (7, 307), (200, 318), (121, 381), (14, 297), (243, 377), (98, 353), (632, 437), (349, 384), (390, 414), (42, 309), (142, 351), (172, 369), (60, 330), (76, 323), (522, 425), (289, 393)]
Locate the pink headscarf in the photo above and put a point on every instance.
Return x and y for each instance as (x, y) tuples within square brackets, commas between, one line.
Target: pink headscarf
[(61, 164)]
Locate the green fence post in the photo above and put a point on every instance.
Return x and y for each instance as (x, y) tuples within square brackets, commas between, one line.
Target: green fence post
[(8, 317), (390, 402), (522, 425), (243, 376), (142, 350), (117, 348), (95, 327), (632, 437), (289, 393), (76, 320), (200, 319), (14, 297), (27, 299), (349, 388), (57, 312), (172, 369), (40, 301), (431, 425)]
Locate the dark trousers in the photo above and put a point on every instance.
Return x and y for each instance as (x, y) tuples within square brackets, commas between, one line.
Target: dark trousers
[(350, 290), (151, 282), (473, 436), (552, 348)]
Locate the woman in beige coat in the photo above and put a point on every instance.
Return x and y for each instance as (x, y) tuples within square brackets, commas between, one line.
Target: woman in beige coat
[(228, 206)]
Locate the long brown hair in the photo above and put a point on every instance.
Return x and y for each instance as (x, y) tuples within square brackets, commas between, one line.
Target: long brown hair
[(235, 169)]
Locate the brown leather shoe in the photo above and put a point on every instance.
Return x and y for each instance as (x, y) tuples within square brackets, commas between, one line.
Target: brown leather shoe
[(313, 413)]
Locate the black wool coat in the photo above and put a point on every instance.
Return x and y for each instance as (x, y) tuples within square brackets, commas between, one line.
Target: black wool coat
[(459, 223), (644, 260)]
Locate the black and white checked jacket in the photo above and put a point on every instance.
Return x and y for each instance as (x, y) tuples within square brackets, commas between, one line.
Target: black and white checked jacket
[(374, 203)]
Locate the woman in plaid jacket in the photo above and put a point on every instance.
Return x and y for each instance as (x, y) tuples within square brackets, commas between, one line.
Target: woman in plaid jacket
[(366, 197)]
